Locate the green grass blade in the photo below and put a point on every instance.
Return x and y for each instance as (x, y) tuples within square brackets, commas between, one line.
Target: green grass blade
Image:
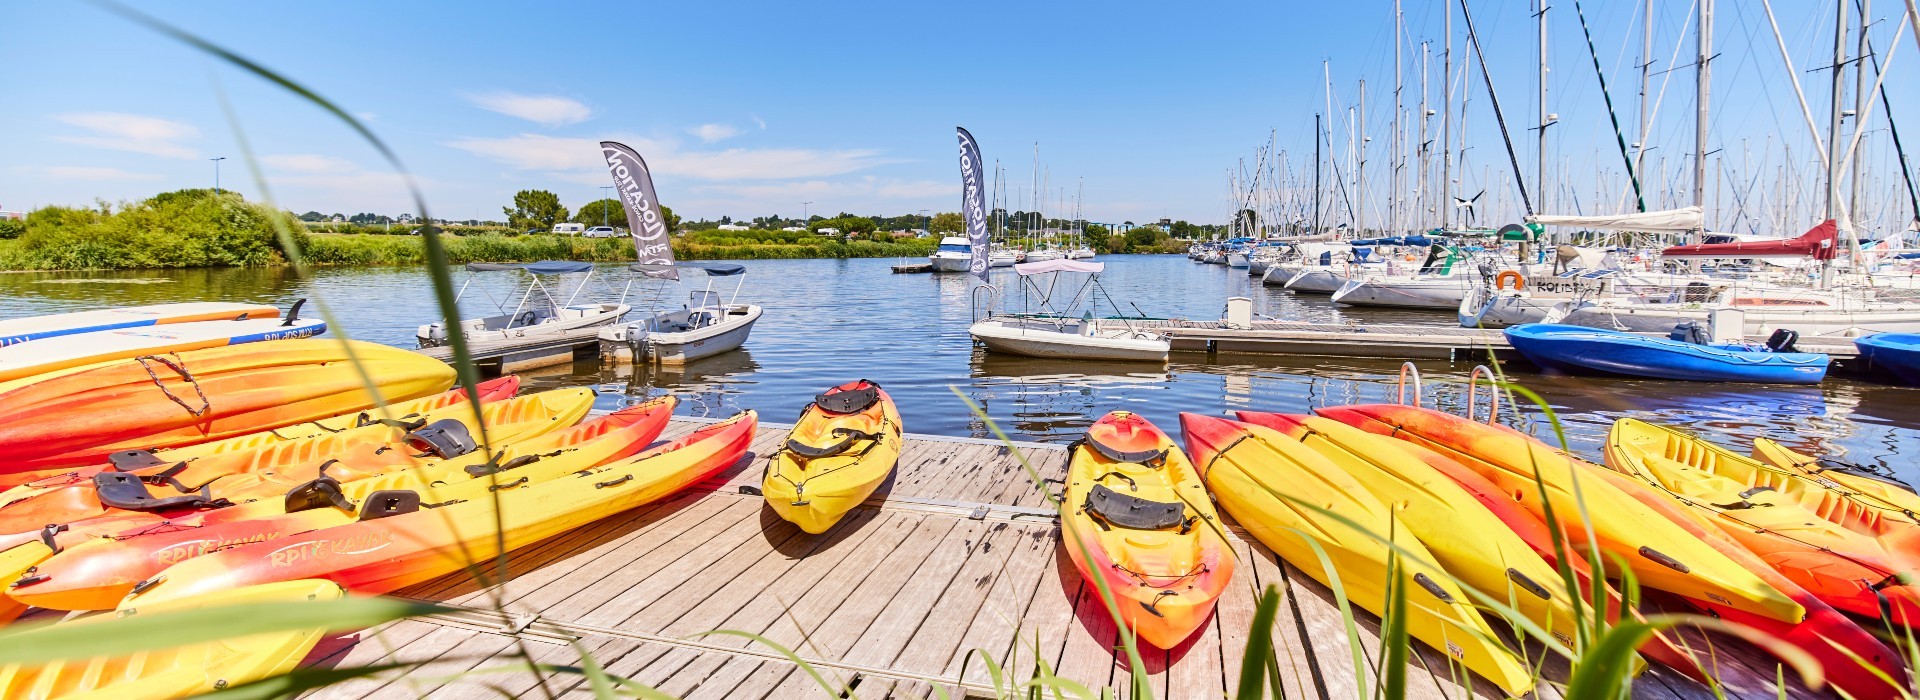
[(40, 643), (297, 682), (1393, 638), (596, 676), (783, 651), (1258, 659)]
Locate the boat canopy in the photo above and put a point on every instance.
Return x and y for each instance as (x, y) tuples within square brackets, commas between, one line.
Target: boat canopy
[(1818, 243), (1062, 265), (1667, 221), (712, 269), (544, 267), (1415, 240)]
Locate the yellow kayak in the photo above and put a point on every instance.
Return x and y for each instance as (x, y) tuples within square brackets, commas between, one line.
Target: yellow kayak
[(1466, 538), (1246, 467), (1884, 497), (842, 448), (181, 671), (1661, 553)]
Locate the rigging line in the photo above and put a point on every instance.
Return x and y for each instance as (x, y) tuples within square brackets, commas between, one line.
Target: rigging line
[(1473, 38), (1640, 199), (1906, 172)]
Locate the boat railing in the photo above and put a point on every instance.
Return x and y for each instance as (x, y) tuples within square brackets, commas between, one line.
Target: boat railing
[(1408, 370), (990, 294), (1493, 393)]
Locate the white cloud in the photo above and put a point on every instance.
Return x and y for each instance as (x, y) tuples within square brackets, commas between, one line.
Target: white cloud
[(307, 163), (714, 132), (549, 153), (72, 172), (131, 132), (758, 121), (547, 110)]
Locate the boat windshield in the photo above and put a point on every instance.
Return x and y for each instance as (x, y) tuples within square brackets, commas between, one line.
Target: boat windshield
[(956, 248)]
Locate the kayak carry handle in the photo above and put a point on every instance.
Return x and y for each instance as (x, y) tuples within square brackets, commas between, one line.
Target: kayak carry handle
[(1407, 368), (1493, 393)]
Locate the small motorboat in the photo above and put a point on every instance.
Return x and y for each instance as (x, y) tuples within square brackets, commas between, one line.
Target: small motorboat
[(1897, 353), (955, 254), (20, 330), (533, 316), (702, 328), (1582, 349), (1057, 332), (63, 351), (1002, 256)]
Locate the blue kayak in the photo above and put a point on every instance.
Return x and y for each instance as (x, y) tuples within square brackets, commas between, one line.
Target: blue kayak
[(1583, 349), (1898, 353)]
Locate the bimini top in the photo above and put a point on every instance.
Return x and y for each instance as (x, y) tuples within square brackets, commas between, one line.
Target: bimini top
[(1061, 265), (712, 269), (544, 267)]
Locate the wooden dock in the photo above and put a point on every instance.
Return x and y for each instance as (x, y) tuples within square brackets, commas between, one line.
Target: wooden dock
[(957, 556), (909, 268)]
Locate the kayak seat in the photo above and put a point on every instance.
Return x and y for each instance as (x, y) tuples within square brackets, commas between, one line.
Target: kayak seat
[(1782, 340), (129, 492), (445, 438), (324, 492), (841, 403), (1149, 458), (389, 503), (1134, 512), (131, 460), (847, 437)]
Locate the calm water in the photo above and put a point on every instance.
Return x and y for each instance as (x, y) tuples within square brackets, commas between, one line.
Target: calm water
[(830, 321)]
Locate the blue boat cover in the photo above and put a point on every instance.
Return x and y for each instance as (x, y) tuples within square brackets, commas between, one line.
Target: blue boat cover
[(712, 269), (544, 267)]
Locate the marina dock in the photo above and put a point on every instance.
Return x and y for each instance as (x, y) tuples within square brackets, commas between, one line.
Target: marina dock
[(957, 556)]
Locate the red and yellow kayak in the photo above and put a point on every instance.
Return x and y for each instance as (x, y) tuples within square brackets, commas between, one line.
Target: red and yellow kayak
[(1661, 554), (842, 448), (489, 391), (1814, 535), (346, 455), (72, 418), (1167, 569), (382, 553), (94, 572)]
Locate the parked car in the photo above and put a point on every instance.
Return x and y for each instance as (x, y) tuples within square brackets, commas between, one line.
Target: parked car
[(602, 232), (535, 231)]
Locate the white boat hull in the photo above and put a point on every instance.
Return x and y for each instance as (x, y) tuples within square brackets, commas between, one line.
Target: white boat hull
[(1417, 294), (1309, 280), (497, 328), (1503, 309), (680, 347), (61, 352), (950, 263), (1033, 340)]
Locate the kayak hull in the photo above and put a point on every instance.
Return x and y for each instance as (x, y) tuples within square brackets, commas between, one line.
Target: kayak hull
[(815, 493)]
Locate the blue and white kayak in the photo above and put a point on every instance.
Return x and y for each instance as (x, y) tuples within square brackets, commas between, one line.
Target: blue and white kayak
[(1583, 349), (20, 330), (81, 349), (1898, 353)]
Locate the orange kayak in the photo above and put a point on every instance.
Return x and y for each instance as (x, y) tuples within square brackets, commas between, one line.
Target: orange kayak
[(489, 391), (401, 541), (93, 572), (1850, 655), (1799, 528), (72, 418), (203, 482), (1166, 570), (1660, 554)]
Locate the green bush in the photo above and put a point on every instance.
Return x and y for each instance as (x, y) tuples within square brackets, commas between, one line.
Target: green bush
[(12, 228), (187, 228)]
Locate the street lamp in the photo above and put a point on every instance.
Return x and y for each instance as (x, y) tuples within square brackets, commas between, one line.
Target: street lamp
[(216, 173), (603, 207), (804, 219)]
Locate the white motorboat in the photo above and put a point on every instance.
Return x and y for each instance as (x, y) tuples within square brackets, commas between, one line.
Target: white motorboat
[(955, 254), (1080, 253), (1057, 333), (1043, 254), (702, 328), (533, 316)]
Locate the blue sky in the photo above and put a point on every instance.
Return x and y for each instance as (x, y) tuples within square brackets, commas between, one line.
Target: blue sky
[(749, 109)]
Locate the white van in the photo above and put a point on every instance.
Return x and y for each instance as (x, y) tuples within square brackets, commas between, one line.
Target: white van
[(569, 229)]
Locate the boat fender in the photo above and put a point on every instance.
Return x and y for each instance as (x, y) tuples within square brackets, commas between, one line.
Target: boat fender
[(841, 403), (1150, 458), (1134, 512), (324, 492), (445, 438), (1500, 281), (389, 503), (129, 492), (130, 460)]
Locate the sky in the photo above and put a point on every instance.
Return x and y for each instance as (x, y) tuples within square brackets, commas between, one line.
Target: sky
[(754, 108)]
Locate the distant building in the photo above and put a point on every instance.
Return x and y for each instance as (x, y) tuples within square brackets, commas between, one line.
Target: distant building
[(734, 227), (15, 215), (828, 232), (794, 228)]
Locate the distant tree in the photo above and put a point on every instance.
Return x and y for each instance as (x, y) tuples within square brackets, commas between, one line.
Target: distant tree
[(726, 220), (1142, 238), (947, 222), (602, 212), (672, 219), (535, 209), (312, 216)]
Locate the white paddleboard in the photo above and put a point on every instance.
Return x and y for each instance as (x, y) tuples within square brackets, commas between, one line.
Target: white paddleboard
[(20, 330), (61, 352)]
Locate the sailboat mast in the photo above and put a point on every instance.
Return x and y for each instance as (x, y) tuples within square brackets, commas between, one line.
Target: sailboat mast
[(1361, 172), (1646, 73), (1446, 125), (1316, 174), (1421, 208), (1540, 153), (1399, 157), (1833, 120), (1703, 81), (1859, 103)]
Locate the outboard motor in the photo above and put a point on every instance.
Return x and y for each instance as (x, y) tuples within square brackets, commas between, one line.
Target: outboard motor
[(1690, 332), (1782, 340)]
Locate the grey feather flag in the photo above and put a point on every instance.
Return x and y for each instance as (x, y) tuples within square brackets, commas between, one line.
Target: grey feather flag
[(652, 243), (973, 205)]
